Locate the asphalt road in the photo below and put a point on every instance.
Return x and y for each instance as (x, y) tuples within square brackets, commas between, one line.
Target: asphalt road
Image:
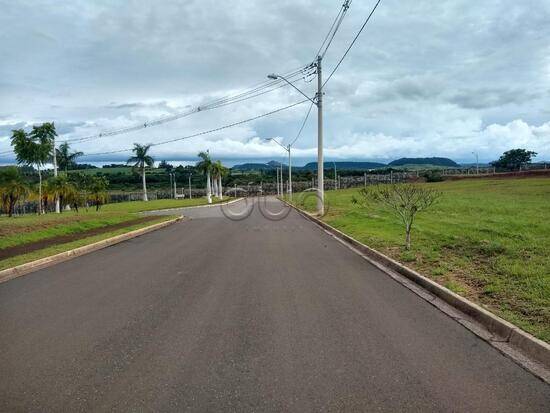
[(256, 315)]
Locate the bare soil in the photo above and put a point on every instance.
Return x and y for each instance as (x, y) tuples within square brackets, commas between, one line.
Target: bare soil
[(63, 239)]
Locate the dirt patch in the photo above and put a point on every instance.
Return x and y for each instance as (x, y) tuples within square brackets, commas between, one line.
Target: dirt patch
[(63, 239), (13, 227)]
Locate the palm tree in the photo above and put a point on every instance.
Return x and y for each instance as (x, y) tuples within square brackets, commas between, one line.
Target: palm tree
[(60, 189), (141, 160), (34, 148), (98, 191), (65, 159), (205, 167), (216, 172), (12, 188)]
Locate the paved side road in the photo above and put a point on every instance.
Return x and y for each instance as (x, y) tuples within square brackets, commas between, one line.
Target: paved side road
[(216, 315)]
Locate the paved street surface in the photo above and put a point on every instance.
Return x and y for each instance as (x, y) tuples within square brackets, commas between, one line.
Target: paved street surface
[(254, 315)]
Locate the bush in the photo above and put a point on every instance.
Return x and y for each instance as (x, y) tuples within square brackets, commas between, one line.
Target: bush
[(433, 176)]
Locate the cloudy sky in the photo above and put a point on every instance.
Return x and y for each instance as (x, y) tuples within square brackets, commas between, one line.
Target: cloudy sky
[(426, 77)]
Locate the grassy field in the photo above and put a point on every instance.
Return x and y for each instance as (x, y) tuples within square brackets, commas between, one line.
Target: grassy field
[(27, 229), (488, 240)]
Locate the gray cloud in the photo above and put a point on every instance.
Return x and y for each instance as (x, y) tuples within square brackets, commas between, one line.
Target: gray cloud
[(421, 73)]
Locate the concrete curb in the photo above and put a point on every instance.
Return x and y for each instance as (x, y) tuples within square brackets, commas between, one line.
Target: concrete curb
[(23, 269), (501, 331), (196, 206)]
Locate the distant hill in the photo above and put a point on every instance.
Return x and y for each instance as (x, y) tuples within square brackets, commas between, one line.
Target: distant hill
[(253, 167), (346, 165), (424, 161)]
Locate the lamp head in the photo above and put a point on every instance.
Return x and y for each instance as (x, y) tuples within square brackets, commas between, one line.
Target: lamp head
[(272, 76)]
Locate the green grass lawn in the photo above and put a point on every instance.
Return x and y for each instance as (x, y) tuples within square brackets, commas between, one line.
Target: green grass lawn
[(26, 229), (488, 240)]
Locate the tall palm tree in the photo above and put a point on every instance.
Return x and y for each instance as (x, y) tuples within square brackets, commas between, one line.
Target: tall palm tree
[(216, 171), (35, 149), (12, 188), (66, 159), (142, 160), (205, 167)]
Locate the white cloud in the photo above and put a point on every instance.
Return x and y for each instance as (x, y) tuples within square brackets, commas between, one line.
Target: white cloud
[(426, 78)]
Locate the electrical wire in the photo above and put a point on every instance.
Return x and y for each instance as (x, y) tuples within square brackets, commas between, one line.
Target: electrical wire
[(256, 90), (343, 12), (303, 124), (352, 42), (203, 132)]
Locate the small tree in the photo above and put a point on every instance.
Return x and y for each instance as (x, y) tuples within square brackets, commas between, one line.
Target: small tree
[(514, 159), (404, 200), (142, 160), (12, 188), (60, 188), (98, 191)]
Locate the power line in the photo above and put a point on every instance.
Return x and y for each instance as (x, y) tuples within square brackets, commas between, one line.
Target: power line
[(336, 26), (252, 92), (353, 42), (204, 132), (303, 124)]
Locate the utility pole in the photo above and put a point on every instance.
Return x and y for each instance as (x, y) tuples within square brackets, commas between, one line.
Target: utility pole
[(277, 181), (57, 206), (289, 174), (281, 182), (477, 162), (175, 187), (335, 177), (190, 193), (319, 103), (171, 186), (320, 162)]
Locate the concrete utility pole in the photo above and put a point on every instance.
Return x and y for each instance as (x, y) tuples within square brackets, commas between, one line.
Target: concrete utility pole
[(190, 193), (477, 162), (319, 103), (278, 194), (282, 182), (175, 187), (170, 175), (335, 177), (289, 174), (320, 161), (57, 206)]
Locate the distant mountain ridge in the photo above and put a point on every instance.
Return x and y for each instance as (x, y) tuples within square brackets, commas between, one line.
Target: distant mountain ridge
[(346, 165), (357, 165), (424, 161)]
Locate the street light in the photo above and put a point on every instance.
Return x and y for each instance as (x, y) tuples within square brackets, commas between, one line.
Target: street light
[(288, 149), (318, 101), (477, 162), (335, 177)]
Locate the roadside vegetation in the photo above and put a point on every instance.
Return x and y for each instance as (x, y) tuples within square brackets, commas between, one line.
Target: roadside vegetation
[(488, 240), (29, 237)]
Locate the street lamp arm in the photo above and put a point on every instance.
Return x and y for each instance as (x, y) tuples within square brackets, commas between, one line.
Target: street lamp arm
[(274, 76)]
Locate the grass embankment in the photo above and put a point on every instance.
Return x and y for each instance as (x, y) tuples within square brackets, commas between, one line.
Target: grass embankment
[(62, 232), (488, 240)]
